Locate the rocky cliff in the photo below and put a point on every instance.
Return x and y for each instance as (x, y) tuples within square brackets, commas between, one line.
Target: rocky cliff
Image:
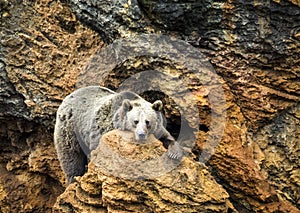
[(253, 52)]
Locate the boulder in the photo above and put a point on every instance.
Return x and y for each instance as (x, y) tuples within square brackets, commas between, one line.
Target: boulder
[(124, 176)]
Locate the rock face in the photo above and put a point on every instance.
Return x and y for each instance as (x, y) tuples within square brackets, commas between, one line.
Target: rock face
[(40, 51), (30, 172), (244, 41), (112, 19), (39, 42), (187, 188), (279, 142), (253, 46)]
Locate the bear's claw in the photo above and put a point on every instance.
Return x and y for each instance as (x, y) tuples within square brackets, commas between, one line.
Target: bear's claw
[(175, 151)]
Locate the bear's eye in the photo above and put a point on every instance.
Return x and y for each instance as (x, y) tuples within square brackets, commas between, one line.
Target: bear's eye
[(135, 122), (147, 123)]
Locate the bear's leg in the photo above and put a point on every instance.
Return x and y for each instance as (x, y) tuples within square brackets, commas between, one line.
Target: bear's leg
[(73, 163), (71, 157), (174, 149)]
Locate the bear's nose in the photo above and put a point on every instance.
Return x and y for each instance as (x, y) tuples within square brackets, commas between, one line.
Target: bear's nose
[(141, 135)]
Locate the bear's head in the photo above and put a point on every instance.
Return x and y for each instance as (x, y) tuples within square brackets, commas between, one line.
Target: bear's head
[(140, 117)]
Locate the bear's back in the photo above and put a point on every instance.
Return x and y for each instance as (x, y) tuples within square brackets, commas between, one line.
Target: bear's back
[(83, 98), (78, 109)]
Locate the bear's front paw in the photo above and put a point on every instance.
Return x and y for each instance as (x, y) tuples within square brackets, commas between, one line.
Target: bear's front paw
[(175, 151)]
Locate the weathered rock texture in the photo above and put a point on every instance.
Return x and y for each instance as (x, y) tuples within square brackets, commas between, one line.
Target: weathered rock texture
[(41, 48), (254, 47), (187, 188), (30, 172), (280, 142)]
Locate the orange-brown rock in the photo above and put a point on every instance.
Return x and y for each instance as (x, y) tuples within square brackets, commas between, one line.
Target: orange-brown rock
[(42, 47), (124, 176)]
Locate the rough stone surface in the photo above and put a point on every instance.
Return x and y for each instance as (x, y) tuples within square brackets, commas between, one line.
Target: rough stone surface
[(280, 142), (254, 46), (30, 172), (253, 38), (42, 47), (188, 188), (112, 19)]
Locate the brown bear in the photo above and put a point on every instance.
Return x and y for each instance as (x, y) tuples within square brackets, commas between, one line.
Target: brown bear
[(87, 113)]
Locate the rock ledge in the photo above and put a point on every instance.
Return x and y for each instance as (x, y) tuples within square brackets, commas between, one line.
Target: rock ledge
[(189, 187)]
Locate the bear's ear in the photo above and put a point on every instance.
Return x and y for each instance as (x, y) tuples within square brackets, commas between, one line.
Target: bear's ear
[(157, 105), (120, 114), (126, 105)]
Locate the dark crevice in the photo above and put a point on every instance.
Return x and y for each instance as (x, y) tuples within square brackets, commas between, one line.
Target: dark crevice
[(203, 127)]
